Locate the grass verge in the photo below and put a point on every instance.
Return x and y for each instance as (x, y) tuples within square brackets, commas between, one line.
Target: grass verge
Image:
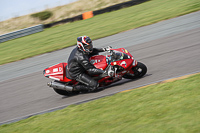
[(59, 13), (161, 108), (97, 27)]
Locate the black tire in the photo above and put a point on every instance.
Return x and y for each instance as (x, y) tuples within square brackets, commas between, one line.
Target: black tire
[(139, 71), (66, 93)]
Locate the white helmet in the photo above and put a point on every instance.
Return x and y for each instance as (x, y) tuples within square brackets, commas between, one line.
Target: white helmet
[(84, 43)]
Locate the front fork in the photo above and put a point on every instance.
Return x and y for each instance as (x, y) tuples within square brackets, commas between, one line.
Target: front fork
[(134, 63), (133, 70)]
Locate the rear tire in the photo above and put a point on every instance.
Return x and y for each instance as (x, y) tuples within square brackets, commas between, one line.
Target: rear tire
[(139, 71), (66, 93)]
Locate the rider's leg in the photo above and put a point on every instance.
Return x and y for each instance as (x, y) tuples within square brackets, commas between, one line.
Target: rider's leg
[(89, 83)]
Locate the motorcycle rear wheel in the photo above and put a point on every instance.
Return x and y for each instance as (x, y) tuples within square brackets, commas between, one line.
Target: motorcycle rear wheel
[(139, 71), (66, 93)]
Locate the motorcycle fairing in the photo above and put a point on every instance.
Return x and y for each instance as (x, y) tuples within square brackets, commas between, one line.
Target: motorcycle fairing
[(57, 72), (99, 61), (126, 63)]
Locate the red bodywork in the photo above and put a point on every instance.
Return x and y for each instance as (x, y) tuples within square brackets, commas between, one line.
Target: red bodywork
[(58, 71)]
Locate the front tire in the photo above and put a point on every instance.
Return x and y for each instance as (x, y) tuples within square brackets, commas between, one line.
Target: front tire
[(139, 71)]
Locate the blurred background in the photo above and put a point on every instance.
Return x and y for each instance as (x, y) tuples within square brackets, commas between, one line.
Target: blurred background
[(12, 9), (18, 15)]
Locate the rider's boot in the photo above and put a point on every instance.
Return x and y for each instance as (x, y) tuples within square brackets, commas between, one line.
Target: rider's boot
[(80, 88), (88, 83)]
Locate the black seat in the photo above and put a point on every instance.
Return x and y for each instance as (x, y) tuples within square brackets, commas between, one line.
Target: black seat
[(67, 73)]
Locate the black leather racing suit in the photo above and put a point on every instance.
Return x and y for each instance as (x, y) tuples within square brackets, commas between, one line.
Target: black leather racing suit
[(79, 64)]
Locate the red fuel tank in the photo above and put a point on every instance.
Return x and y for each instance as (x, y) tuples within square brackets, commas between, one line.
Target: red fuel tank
[(99, 61)]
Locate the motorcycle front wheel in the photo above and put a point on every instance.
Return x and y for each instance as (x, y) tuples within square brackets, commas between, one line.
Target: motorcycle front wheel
[(139, 71)]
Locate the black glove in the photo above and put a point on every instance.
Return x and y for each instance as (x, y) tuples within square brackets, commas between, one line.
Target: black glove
[(107, 48)]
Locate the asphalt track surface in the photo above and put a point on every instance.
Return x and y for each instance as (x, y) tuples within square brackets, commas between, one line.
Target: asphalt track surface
[(169, 48)]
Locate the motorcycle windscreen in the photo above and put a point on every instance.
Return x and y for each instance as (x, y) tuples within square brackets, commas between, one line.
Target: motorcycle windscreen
[(119, 56)]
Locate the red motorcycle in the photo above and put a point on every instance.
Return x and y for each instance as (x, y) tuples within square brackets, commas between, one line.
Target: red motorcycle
[(117, 65)]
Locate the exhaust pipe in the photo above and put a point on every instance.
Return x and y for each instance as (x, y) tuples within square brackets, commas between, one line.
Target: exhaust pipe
[(60, 86)]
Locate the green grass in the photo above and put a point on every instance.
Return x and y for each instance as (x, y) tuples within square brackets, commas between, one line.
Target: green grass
[(162, 108), (97, 27)]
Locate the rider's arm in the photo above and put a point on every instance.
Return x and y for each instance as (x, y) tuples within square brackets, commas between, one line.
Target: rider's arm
[(97, 50), (90, 68)]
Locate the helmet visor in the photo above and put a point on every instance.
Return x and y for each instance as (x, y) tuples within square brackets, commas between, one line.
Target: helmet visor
[(89, 48)]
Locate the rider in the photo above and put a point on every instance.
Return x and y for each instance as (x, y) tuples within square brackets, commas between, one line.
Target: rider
[(79, 64)]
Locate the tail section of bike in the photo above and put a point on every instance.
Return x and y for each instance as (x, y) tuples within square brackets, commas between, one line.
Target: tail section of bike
[(61, 84), (57, 72)]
